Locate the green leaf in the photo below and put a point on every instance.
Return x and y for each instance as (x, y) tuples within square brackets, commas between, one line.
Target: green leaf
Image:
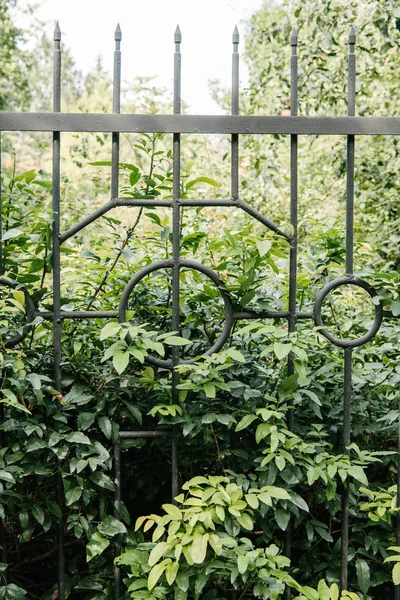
[(96, 545), (245, 422), (396, 574), (105, 426), (281, 350), (176, 340), (102, 480), (209, 389), (198, 548), (6, 476), (73, 495), (172, 510), (334, 590), (282, 518), (245, 521), (358, 473), (243, 563), (396, 308), (78, 438), (363, 575), (158, 551), (171, 572), (85, 420), (274, 492), (236, 355), (120, 361), (208, 180), (156, 573), (111, 526), (263, 247), (38, 513), (10, 234)]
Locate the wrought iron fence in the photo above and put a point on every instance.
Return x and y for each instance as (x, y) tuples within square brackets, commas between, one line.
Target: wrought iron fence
[(178, 124)]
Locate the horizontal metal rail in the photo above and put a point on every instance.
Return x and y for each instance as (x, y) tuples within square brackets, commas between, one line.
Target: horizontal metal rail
[(220, 124)]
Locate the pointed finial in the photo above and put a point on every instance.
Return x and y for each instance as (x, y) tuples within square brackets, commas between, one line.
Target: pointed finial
[(352, 36), (117, 33), (177, 35), (235, 36), (293, 37), (57, 33)]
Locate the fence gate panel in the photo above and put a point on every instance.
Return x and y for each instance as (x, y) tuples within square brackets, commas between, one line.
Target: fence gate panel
[(177, 124)]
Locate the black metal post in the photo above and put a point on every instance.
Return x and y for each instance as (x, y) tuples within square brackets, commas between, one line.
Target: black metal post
[(235, 111), (292, 316), (117, 508), (57, 324), (348, 352), (176, 216)]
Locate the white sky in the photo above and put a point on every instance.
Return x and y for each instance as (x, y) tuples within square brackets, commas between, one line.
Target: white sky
[(147, 38)]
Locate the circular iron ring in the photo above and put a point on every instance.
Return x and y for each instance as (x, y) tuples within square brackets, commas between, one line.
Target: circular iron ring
[(186, 264), (29, 309), (333, 285)]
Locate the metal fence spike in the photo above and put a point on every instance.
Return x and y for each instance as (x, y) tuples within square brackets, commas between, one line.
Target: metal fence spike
[(57, 33), (352, 36), (293, 37), (118, 33), (177, 35), (235, 36)]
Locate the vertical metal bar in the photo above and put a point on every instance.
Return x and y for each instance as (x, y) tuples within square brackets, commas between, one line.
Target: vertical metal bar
[(117, 508), (3, 537), (174, 464), (397, 587), (2, 530), (57, 325), (293, 246), (344, 552), (235, 111), (351, 111), (1, 219), (116, 109), (176, 217), (348, 352)]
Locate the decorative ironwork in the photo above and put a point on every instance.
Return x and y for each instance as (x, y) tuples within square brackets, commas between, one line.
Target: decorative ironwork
[(177, 124)]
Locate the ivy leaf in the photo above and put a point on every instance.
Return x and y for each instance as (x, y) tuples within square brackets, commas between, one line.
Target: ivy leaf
[(73, 495), (78, 438), (105, 426), (85, 420)]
